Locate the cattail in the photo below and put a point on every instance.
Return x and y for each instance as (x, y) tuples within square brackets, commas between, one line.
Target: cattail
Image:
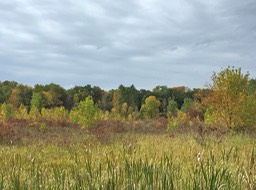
[(198, 157)]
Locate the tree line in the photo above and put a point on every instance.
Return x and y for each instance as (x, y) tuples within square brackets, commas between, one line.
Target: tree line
[(229, 101), (53, 95)]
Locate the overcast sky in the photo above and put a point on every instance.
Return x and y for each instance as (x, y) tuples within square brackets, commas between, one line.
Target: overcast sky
[(111, 42)]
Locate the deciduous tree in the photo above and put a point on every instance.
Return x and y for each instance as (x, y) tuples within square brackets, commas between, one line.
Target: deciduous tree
[(86, 113), (188, 103), (151, 107), (37, 100), (172, 106), (229, 95)]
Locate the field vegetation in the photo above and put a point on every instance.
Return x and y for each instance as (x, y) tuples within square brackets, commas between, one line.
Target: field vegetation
[(167, 138)]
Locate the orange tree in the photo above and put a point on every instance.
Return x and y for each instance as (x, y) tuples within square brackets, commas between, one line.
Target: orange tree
[(229, 93)]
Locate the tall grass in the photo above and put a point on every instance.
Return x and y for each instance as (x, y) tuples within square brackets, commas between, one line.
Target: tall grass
[(131, 162)]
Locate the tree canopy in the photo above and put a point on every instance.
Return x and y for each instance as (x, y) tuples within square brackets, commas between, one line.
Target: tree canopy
[(229, 101), (229, 95)]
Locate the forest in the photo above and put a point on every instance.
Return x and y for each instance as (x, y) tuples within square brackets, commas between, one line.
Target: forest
[(229, 102), (165, 138)]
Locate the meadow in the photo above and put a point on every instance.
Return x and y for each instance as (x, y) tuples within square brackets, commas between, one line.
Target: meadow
[(73, 158), (124, 138)]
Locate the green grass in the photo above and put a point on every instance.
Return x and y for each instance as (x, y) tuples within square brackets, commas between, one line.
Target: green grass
[(75, 159)]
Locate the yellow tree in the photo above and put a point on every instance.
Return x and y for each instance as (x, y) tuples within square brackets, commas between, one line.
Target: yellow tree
[(6, 111), (228, 96), (14, 98), (116, 106)]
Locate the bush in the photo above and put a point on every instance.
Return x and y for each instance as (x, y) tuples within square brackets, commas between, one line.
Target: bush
[(86, 113), (175, 122), (6, 133), (21, 112), (6, 111), (34, 113), (57, 114)]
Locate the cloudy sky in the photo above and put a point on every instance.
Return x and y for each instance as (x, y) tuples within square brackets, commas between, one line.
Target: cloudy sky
[(111, 42)]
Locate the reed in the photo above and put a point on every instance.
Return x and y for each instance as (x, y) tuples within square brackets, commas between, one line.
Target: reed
[(131, 162)]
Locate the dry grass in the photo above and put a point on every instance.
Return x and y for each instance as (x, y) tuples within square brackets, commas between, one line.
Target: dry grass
[(116, 157)]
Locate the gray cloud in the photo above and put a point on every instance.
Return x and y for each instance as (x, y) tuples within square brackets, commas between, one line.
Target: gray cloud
[(108, 43)]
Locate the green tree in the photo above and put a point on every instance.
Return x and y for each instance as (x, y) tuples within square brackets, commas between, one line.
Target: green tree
[(37, 101), (252, 86), (6, 111), (128, 95), (162, 93), (107, 101), (58, 94), (249, 112), (122, 95), (53, 95), (180, 93), (24, 94), (6, 89), (172, 106), (97, 94), (79, 93), (142, 95), (86, 113), (151, 107), (188, 103), (229, 95)]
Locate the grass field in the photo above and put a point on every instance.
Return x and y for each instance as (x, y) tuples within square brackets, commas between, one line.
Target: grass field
[(72, 158)]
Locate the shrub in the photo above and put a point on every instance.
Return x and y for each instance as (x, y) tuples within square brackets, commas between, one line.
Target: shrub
[(56, 114), (172, 106), (34, 112), (6, 111), (21, 112), (6, 133), (86, 113), (180, 119)]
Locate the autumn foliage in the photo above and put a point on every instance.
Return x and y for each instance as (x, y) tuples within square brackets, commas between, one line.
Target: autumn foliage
[(229, 102)]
